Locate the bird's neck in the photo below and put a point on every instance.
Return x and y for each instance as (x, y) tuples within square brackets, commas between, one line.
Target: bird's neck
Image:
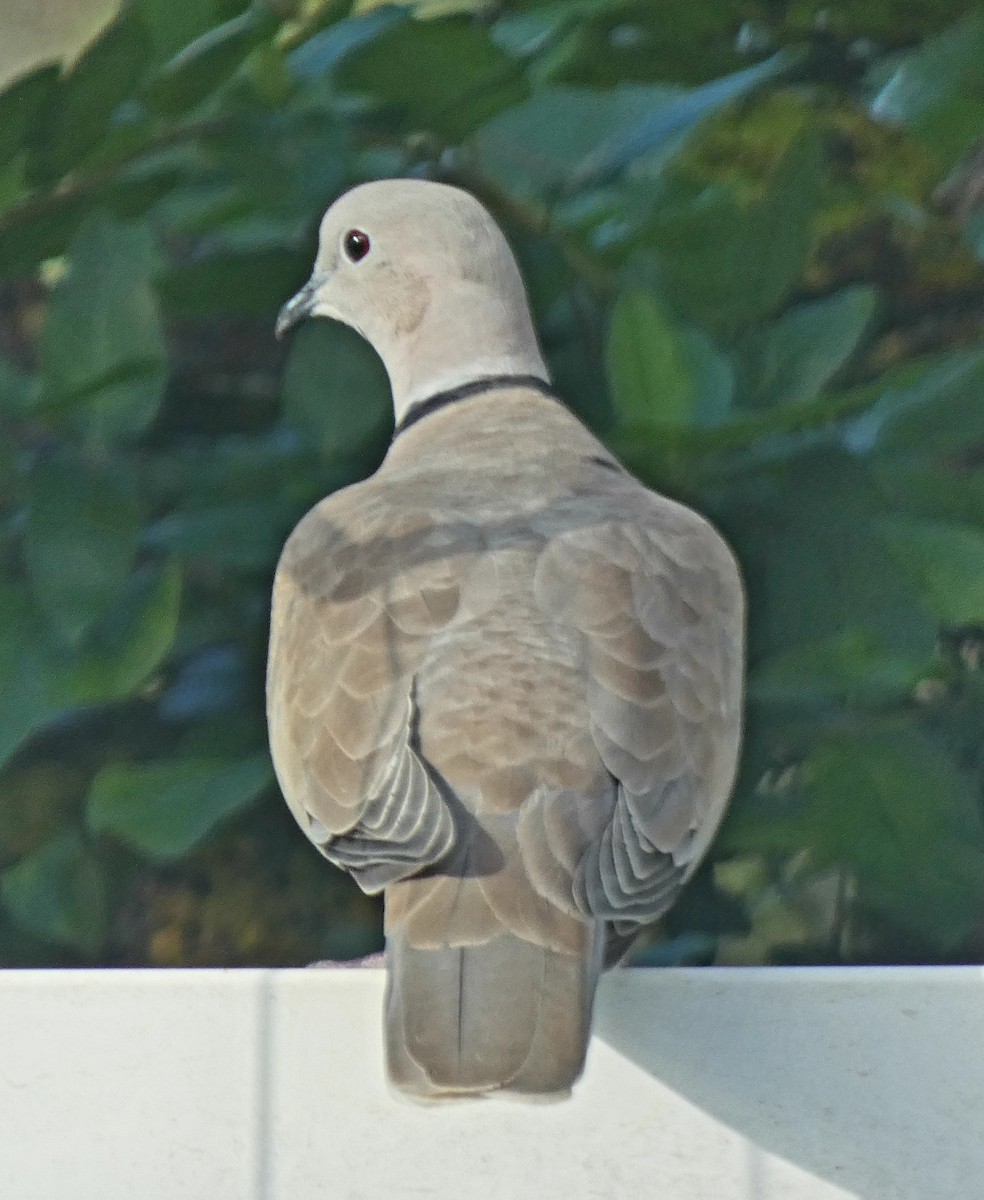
[(460, 338)]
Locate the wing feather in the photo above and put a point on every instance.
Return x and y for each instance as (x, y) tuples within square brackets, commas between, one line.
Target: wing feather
[(655, 601), (352, 621)]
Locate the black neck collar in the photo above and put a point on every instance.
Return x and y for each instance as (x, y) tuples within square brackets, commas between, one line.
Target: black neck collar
[(475, 387)]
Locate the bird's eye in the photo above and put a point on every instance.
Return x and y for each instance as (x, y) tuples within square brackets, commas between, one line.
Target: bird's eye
[(356, 244)]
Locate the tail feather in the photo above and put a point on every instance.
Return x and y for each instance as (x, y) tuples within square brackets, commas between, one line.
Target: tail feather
[(506, 1014)]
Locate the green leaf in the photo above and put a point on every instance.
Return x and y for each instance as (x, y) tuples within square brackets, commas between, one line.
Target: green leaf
[(254, 284), (945, 562), (897, 810), (172, 26), (33, 680), (713, 376), (535, 147), (15, 389), (974, 232), (132, 640), (165, 809), (442, 76), (336, 390), (934, 492), (819, 565), (648, 372), (322, 53), (570, 138), (730, 266), (21, 104), (108, 72), (941, 411), (102, 347), (239, 535), (791, 361), (661, 131), (204, 65), (937, 91), (83, 523), (59, 893), (851, 666)]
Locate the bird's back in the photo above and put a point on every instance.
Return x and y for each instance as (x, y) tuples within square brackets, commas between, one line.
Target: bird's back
[(506, 669)]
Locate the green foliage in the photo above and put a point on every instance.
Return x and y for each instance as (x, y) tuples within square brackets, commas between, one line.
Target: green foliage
[(890, 806), (59, 893), (164, 809), (102, 349), (80, 541), (652, 382), (937, 90), (747, 277)]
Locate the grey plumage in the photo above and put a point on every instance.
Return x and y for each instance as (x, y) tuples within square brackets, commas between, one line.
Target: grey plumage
[(505, 678)]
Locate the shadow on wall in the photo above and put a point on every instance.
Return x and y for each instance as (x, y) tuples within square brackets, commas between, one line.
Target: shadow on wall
[(874, 1082), (36, 31)]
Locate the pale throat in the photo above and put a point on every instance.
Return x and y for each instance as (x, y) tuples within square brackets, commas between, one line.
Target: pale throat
[(458, 342)]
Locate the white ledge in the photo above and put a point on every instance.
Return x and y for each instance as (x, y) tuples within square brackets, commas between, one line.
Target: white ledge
[(775, 1084)]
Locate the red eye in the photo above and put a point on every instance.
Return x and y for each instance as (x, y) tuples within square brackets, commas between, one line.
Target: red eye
[(356, 244)]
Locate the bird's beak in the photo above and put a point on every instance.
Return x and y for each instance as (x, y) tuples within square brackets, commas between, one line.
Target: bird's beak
[(298, 307)]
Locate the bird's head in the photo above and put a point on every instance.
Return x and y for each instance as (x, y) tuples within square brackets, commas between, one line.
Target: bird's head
[(423, 272)]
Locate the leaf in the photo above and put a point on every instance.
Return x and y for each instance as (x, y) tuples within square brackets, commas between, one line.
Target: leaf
[(941, 411), (934, 492), (974, 232), (59, 893), (937, 91), (818, 564), (234, 536), (202, 67), (108, 72), (851, 666), (172, 26), (896, 809), (165, 809), (647, 367), (21, 105), (535, 147), (527, 34), (83, 523), (39, 679), (103, 345), (664, 127), (335, 390), (791, 361), (729, 266), (247, 283), (215, 681), (33, 679), (945, 561), (15, 389), (132, 640), (442, 76), (320, 54), (571, 139), (713, 376)]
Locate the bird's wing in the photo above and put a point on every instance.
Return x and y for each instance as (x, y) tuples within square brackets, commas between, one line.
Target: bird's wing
[(655, 602), (348, 633)]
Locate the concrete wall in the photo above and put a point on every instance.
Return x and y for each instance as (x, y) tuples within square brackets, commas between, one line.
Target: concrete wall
[(719, 1084)]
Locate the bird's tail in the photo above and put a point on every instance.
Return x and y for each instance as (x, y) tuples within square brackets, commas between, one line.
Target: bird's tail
[(505, 1015)]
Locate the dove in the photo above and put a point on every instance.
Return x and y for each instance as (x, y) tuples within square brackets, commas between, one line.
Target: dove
[(505, 678)]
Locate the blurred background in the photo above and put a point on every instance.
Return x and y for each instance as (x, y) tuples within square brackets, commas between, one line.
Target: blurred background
[(753, 234)]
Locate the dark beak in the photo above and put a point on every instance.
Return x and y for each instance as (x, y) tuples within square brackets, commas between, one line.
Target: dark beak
[(297, 308)]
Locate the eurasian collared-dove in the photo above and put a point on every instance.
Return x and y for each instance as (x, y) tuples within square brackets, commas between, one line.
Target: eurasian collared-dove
[(505, 678)]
